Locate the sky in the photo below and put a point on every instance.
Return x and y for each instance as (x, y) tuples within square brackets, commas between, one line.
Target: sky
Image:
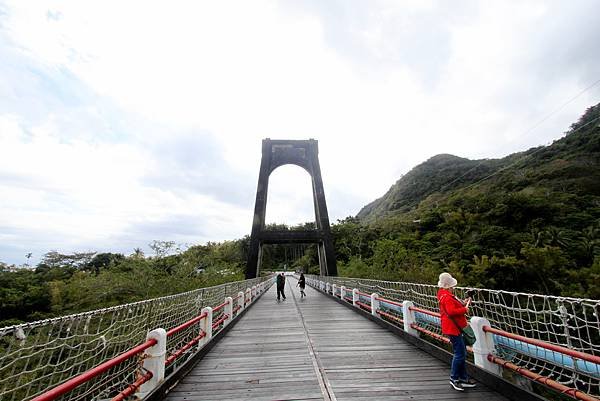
[(124, 122)]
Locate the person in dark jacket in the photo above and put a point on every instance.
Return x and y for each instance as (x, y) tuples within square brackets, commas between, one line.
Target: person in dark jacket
[(302, 285), (453, 311), (280, 286)]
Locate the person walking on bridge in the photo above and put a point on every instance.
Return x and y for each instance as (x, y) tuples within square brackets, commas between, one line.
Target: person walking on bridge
[(453, 311), (280, 286), (302, 285)]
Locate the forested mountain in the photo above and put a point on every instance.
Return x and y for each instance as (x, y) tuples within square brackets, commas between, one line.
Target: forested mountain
[(569, 165), (527, 222)]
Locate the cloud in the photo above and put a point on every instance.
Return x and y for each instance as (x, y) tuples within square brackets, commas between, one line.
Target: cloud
[(122, 121)]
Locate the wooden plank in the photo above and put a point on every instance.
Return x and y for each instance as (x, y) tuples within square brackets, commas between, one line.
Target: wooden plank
[(305, 349)]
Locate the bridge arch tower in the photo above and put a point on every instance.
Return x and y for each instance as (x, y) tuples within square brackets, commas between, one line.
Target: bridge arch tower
[(305, 154)]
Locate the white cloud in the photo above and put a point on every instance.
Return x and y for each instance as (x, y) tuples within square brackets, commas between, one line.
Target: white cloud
[(382, 85)]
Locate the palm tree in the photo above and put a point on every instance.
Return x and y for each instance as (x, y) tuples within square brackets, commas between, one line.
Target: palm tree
[(554, 236), (138, 253)]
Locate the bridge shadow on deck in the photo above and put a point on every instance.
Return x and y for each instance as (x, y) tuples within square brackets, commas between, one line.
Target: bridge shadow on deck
[(316, 349)]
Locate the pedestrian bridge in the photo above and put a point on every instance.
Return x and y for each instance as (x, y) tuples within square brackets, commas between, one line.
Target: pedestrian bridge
[(348, 339)]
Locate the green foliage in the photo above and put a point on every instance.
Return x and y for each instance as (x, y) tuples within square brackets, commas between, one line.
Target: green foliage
[(64, 284)]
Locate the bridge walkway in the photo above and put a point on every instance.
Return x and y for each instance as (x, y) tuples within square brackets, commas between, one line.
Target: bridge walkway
[(316, 349)]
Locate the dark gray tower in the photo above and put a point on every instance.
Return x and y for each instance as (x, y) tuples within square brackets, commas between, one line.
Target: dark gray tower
[(276, 153)]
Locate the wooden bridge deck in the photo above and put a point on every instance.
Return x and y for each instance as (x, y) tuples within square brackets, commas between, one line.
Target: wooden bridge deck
[(316, 349)]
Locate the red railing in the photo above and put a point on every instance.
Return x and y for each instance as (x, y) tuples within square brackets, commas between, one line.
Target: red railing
[(133, 387), (219, 307), (90, 374), (104, 367), (542, 344), (181, 350), (389, 301), (186, 324), (218, 322), (437, 336), (572, 392), (363, 305), (425, 311), (390, 316)]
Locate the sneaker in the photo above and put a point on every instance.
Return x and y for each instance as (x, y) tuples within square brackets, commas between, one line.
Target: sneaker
[(456, 385), (470, 383)]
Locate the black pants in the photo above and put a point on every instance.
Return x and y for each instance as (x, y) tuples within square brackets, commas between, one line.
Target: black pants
[(280, 292)]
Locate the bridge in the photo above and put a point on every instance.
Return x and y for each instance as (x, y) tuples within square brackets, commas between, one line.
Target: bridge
[(348, 339)]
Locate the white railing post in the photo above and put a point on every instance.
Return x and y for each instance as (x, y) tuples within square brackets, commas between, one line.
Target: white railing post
[(355, 297), (327, 288), (228, 311), (248, 297), (484, 345), (206, 326), (333, 288), (254, 294), (374, 303), (342, 293), (154, 361), (241, 302), (409, 318)]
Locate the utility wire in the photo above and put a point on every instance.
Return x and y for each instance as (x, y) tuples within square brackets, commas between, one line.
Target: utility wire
[(533, 127), (525, 157)]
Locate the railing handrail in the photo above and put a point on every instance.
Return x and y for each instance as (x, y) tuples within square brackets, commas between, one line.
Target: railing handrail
[(185, 325), (546, 345), (90, 374)]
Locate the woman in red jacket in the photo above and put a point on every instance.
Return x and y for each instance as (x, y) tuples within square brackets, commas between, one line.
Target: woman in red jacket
[(453, 312)]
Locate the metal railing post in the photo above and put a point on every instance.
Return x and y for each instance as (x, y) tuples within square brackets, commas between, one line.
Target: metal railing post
[(228, 310), (254, 294), (342, 293), (484, 345), (248, 297), (154, 361), (327, 288), (206, 326), (409, 318), (333, 288), (374, 303), (355, 297)]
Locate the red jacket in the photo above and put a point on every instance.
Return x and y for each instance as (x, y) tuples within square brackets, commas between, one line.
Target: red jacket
[(451, 306)]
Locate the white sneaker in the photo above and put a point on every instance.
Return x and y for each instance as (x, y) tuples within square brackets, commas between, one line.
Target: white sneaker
[(467, 383), (456, 385)]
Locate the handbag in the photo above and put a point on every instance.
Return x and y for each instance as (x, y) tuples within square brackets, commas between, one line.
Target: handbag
[(467, 331), (468, 335)]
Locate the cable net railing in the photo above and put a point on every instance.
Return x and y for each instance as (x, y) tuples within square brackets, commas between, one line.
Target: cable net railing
[(39, 355), (573, 323)]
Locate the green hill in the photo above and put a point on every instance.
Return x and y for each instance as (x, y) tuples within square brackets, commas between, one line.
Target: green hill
[(527, 222), (569, 165)]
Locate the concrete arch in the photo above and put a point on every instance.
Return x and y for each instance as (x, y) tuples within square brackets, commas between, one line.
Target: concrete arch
[(305, 154)]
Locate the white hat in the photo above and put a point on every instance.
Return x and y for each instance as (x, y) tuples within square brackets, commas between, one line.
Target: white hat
[(447, 281)]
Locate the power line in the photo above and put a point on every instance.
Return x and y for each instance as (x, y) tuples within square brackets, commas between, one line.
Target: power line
[(525, 157), (533, 127)]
